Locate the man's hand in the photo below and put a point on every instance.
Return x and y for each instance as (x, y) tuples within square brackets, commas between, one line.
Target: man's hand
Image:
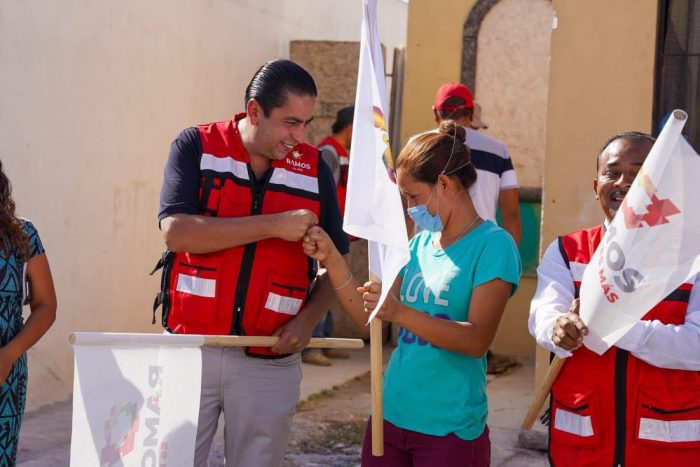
[(569, 329), (292, 225), (293, 336)]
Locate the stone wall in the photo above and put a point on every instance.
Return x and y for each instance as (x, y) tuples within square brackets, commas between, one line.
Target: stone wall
[(334, 68)]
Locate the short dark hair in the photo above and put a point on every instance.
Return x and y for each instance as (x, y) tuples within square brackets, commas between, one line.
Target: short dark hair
[(457, 114), (634, 137), (271, 83), (343, 118)]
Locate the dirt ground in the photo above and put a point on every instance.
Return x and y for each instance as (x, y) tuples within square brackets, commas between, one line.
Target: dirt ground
[(328, 427)]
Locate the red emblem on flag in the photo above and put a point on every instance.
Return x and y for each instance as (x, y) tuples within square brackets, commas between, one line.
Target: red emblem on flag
[(657, 212)]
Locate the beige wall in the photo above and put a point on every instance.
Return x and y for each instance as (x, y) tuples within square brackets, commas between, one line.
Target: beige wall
[(601, 83), (512, 337), (597, 88), (512, 76), (92, 95), (433, 57)]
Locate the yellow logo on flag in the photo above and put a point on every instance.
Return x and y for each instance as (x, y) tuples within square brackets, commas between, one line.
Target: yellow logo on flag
[(380, 124)]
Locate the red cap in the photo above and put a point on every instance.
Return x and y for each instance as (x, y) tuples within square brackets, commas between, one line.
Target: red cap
[(453, 90)]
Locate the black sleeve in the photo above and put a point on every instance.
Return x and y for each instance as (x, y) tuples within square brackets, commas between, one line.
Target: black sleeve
[(331, 220), (180, 191)]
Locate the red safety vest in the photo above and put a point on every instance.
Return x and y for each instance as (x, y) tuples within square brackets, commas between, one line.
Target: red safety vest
[(615, 409), (251, 289), (342, 186)]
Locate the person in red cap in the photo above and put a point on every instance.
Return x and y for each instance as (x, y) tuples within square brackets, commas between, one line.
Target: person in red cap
[(496, 185)]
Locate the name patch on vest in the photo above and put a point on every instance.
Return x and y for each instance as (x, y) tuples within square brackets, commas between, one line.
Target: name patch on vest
[(573, 423), (196, 285), (673, 431), (282, 304)]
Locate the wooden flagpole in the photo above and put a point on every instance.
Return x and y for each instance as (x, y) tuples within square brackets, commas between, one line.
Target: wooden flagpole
[(376, 372), (549, 377)]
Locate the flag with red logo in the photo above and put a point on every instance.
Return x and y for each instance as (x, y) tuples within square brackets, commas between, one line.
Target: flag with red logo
[(652, 244), (373, 208), (135, 399)]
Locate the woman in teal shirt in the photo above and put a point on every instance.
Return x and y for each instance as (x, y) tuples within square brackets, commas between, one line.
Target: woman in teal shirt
[(448, 302)]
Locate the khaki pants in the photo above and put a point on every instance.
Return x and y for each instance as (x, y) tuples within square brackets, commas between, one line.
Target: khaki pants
[(258, 398)]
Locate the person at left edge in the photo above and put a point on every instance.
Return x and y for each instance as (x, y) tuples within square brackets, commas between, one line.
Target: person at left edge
[(25, 279), (237, 198)]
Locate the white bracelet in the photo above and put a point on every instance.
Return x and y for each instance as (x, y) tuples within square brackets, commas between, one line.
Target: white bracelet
[(345, 284)]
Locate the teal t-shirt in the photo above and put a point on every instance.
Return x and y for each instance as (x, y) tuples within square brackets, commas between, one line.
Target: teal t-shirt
[(436, 391)]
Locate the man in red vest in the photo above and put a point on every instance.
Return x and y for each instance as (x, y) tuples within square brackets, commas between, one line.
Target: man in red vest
[(334, 151), (237, 198), (638, 404)]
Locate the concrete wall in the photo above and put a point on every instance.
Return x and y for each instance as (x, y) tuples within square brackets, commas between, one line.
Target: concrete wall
[(92, 93), (512, 75), (601, 83), (433, 57)]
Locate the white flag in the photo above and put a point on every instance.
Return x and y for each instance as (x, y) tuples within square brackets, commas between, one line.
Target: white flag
[(651, 246), (135, 399), (373, 208)]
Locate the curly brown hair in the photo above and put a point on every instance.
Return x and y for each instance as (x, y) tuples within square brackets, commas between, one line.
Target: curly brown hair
[(13, 238)]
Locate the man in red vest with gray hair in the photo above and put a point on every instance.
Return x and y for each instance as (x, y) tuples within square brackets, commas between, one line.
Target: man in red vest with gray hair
[(638, 404)]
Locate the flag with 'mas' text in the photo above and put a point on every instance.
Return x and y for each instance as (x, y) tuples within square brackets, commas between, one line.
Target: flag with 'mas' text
[(373, 208), (652, 245)]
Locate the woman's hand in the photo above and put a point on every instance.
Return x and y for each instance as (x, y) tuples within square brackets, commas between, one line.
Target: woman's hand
[(318, 245), (370, 295)]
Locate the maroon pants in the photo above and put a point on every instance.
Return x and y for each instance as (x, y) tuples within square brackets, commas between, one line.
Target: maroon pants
[(412, 449)]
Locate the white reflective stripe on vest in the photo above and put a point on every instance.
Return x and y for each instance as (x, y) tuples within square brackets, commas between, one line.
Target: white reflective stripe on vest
[(196, 285), (223, 165), (573, 423), (577, 270), (294, 180), (281, 304), (674, 431)]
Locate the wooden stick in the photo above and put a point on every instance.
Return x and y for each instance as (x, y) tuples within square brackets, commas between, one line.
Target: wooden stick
[(376, 371), (214, 341), (549, 377)]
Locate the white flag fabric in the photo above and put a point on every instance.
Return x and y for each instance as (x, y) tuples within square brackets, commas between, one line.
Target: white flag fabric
[(373, 208), (651, 246), (135, 399)]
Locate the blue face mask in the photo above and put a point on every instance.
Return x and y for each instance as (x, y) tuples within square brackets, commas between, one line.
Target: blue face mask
[(422, 217)]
